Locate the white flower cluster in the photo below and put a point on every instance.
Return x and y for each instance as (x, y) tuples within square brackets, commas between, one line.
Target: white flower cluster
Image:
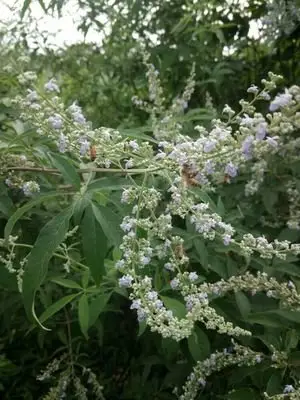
[(236, 355)]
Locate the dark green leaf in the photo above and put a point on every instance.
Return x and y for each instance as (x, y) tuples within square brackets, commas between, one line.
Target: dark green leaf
[(198, 344), (94, 244), (110, 223), (96, 306), (83, 315), (66, 283), (111, 183), (175, 306), (142, 328), (294, 359), (51, 235), (22, 210), (243, 304), (245, 394), (67, 169), (57, 306)]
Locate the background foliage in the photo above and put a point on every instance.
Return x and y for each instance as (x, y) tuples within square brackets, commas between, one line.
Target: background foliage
[(128, 360)]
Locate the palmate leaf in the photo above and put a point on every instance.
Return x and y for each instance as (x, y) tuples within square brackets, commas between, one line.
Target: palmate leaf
[(50, 236)]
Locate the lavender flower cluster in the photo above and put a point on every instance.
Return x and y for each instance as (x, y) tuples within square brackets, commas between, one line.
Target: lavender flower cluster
[(235, 144)]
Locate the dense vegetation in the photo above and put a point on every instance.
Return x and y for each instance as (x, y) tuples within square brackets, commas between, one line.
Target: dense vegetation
[(150, 204)]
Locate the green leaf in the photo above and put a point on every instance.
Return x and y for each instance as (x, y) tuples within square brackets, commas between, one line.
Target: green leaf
[(175, 306), (243, 304), (66, 283), (291, 340), (169, 348), (269, 199), (274, 384), (83, 315), (6, 205), (111, 183), (22, 210), (110, 223), (198, 344), (142, 328), (8, 280), (51, 235), (94, 244), (57, 306), (201, 251), (294, 359), (267, 318), (81, 201), (66, 168), (218, 265), (25, 7), (245, 394), (287, 268), (220, 207), (96, 307)]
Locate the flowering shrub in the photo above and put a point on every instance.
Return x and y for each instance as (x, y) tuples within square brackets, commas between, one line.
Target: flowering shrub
[(146, 216)]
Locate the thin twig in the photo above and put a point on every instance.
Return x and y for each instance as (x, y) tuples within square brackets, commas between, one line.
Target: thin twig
[(84, 170)]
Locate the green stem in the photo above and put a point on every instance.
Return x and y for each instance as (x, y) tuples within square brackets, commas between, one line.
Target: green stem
[(86, 170)]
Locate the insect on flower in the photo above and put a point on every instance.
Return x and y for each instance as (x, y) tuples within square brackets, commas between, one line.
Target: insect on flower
[(93, 153), (188, 175), (226, 179), (179, 251)]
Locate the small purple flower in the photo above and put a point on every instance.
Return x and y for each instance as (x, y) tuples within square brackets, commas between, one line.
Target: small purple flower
[(134, 145), (209, 167), (201, 178), (79, 117), (209, 145), (247, 147), (136, 304), (74, 108), (32, 96), (246, 121), (158, 304), (202, 382), (51, 86), (226, 240), (174, 283), (126, 281), (280, 100), (288, 389), (261, 131), (193, 276), (272, 141), (258, 359), (84, 146), (62, 143), (120, 264), (129, 164), (145, 260), (168, 266), (231, 170), (152, 295), (126, 226), (141, 315), (55, 121)]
